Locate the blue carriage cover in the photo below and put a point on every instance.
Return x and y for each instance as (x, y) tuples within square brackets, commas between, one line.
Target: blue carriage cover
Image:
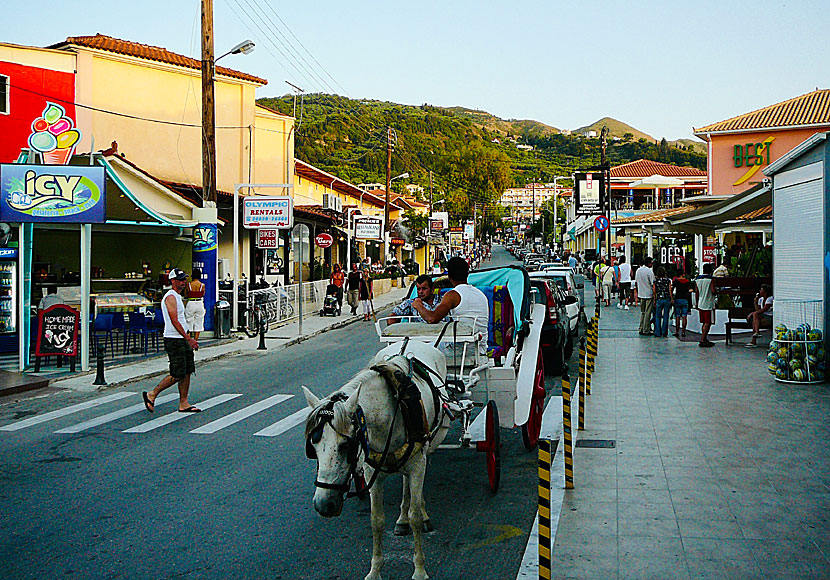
[(518, 284)]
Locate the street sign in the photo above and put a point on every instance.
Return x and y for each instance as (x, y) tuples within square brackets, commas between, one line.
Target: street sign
[(323, 240), (601, 223), (589, 190), (267, 239), (268, 212)]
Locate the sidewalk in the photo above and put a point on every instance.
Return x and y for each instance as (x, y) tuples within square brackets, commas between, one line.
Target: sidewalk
[(718, 470), (276, 339)]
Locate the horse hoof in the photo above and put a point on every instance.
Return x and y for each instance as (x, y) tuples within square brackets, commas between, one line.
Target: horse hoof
[(402, 529), (427, 527)]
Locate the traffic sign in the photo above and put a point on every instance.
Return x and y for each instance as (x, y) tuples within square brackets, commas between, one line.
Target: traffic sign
[(601, 223), (323, 240)]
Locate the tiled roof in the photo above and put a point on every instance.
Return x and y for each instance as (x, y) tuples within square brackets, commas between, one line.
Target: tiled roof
[(762, 213), (646, 168), (315, 210), (810, 109), (110, 44), (653, 217)]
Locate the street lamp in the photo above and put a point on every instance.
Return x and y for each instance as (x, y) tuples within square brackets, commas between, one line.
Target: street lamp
[(244, 47), (556, 207)]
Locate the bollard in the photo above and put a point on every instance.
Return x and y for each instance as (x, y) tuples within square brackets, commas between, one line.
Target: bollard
[(567, 432), (544, 509), (581, 381), (99, 371), (261, 333)]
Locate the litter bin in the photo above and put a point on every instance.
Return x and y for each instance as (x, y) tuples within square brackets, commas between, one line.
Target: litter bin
[(222, 319)]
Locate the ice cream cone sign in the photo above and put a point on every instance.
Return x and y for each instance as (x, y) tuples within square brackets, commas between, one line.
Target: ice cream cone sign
[(54, 135)]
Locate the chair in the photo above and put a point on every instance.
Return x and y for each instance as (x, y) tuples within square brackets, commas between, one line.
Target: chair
[(139, 328), (102, 328), (119, 330), (157, 321)]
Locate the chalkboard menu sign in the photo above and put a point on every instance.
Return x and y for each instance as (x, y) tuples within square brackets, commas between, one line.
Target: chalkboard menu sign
[(58, 331)]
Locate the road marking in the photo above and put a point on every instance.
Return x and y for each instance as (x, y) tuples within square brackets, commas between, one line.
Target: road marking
[(284, 425), (507, 532), (132, 410), (552, 419), (241, 414), (175, 415), (63, 412)]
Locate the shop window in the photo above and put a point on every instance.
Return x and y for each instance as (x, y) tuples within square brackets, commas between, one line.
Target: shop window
[(4, 95)]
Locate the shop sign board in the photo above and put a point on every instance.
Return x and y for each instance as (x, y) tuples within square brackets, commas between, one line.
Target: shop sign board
[(590, 193), (368, 228), (267, 238), (268, 212), (443, 216), (323, 240), (672, 255), (469, 232), (709, 256), (436, 225), (53, 193), (456, 239), (58, 331)]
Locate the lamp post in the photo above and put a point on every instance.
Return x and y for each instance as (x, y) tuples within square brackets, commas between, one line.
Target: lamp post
[(556, 208)]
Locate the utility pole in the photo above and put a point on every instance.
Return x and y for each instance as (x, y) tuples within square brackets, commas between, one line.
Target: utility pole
[(607, 174), (427, 259), (388, 185), (208, 107)]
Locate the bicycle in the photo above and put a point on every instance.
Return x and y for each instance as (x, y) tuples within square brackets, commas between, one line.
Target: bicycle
[(254, 318)]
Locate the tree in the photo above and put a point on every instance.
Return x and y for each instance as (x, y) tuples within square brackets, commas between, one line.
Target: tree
[(628, 137)]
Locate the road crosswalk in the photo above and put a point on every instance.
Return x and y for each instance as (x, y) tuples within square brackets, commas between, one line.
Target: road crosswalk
[(152, 423)]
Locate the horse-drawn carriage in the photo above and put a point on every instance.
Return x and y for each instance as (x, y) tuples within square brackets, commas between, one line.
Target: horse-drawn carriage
[(389, 417)]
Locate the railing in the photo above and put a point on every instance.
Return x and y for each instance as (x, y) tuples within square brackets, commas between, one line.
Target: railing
[(282, 303)]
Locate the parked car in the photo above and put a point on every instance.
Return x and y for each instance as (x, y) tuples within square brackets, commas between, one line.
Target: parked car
[(565, 282), (555, 328)]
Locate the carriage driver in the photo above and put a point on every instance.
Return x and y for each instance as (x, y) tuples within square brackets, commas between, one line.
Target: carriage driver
[(463, 300), (426, 292)]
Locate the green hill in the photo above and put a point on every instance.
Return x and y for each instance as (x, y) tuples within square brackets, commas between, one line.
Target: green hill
[(471, 153), (615, 129)]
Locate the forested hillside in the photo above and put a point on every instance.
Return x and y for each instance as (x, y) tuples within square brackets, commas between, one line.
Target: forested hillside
[(473, 155)]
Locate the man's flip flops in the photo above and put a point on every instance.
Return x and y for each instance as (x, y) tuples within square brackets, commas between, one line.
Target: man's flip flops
[(147, 402), (190, 410)]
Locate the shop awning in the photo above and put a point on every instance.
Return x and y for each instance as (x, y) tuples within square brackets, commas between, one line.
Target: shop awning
[(708, 219)]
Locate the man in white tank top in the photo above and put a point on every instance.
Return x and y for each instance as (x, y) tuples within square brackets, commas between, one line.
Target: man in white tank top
[(178, 345), (463, 301)]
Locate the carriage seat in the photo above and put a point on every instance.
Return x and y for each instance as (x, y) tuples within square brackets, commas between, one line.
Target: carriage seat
[(419, 329), (501, 326)]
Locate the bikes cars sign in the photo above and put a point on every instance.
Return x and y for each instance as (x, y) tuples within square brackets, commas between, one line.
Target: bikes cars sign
[(50, 193), (368, 228), (268, 212), (267, 238)]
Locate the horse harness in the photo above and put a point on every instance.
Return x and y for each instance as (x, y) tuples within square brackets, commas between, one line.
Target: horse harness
[(418, 432)]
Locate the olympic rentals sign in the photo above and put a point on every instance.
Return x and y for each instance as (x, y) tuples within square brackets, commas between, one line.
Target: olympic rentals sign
[(268, 212)]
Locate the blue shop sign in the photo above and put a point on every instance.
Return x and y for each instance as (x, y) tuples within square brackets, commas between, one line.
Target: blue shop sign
[(52, 193), (8, 253)]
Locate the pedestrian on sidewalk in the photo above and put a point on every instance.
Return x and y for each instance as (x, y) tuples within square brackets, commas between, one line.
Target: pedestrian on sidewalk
[(366, 295), (194, 311), (338, 279), (624, 283), (682, 294), (704, 288), (353, 287), (762, 316), (607, 277), (662, 302), (597, 279), (178, 345), (644, 279)]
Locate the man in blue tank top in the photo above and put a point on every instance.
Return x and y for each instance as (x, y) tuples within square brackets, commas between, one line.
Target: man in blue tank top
[(464, 301)]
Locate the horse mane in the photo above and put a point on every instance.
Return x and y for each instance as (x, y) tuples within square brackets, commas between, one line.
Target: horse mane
[(334, 402)]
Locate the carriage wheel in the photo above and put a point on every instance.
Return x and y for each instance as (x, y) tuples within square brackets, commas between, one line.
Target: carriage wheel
[(531, 429), (491, 446)]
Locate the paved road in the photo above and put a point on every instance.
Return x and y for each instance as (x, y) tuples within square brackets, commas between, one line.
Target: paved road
[(109, 491)]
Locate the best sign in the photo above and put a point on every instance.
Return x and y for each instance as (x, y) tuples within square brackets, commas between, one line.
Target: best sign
[(268, 212)]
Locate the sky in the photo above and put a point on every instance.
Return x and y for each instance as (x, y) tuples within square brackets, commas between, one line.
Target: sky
[(660, 66)]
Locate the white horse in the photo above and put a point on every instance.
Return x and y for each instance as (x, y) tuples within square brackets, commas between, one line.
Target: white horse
[(333, 437)]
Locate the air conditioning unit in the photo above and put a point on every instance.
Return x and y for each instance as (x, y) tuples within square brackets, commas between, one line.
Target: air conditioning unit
[(332, 202)]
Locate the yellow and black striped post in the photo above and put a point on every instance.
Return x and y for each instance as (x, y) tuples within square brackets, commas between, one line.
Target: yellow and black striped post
[(591, 352), (567, 432), (581, 382), (544, 509)]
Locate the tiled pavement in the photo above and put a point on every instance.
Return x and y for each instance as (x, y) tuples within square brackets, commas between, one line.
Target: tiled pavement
[(718, 472)]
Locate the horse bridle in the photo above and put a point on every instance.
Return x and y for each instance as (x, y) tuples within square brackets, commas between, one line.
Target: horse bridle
[(356, 443)]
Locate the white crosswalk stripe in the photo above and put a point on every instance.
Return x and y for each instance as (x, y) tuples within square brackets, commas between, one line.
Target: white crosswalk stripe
[(176, 416), (125, 412), (284, 425), (64, 412), (241, 414)]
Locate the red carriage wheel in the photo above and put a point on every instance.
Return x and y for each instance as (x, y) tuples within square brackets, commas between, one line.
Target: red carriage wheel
[(491, 446), (531, 429)]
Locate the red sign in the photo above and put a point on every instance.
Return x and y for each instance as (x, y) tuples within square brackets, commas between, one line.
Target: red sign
[(398, 241), (709, 255), (267, 239), (323, 240), (601, 223)]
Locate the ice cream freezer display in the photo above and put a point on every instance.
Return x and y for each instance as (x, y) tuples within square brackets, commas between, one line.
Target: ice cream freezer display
[(8, 296), (121, 302)]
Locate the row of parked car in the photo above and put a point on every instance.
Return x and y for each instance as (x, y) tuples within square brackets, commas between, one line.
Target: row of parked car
[(562, 290)]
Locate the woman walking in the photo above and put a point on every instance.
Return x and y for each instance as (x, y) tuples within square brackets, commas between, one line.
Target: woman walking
[(607, 276), (366, 294), (194, 311), (681, 286), (338, 278), (662, 302)]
